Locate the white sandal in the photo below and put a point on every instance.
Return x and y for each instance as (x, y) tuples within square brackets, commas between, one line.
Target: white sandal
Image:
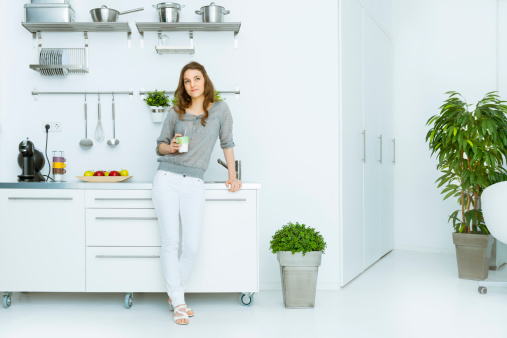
[(188, 309), (177, 309)]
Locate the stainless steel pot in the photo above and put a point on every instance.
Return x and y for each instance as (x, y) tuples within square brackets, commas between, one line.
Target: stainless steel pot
[(169, 11), (212, 13), (105, 14)]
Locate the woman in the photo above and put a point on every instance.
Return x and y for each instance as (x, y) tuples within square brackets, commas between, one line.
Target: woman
[(178, 186)]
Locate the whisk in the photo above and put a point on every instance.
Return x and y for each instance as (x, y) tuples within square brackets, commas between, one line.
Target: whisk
[(99, 131)]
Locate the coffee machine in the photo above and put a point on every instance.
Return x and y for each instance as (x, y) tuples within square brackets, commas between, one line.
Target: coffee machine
[(31, 161)]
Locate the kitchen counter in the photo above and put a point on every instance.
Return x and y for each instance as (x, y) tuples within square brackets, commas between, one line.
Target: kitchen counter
[(107, 186)]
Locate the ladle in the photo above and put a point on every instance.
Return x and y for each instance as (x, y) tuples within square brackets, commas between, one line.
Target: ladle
[(113, 141), (86, 143)]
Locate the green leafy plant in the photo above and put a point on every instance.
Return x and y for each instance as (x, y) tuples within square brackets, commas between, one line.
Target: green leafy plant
[(297, 238), (157, 99), (470, 144), (174, 100)]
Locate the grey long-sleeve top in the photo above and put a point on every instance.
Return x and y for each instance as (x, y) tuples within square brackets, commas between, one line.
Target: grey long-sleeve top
[(202, 139)]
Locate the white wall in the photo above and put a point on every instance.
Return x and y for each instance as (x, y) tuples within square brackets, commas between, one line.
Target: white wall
[(438, 46), (288, 85), (381, 12)]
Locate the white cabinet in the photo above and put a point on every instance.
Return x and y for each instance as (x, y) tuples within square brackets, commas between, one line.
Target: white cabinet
[(366, 141), (79, 240), (43, 241)]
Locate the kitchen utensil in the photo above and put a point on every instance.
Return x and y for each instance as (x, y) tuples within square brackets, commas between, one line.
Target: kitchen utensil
[(212, 13), (86, 143), (49, 12), (31, 161), (99, 131), (168, 11), (113, 141), (105, 14)]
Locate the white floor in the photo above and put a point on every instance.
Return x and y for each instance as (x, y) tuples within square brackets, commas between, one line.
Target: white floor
[(406, 294)]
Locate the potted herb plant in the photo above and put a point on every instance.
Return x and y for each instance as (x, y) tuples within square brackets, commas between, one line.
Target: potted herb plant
[(299, 251), (157, 101), (470, 143)]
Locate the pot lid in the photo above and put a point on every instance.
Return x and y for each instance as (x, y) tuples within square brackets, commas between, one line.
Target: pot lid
[(168, 5), (211, 5)]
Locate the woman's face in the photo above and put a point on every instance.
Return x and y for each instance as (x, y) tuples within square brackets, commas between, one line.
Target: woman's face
[(194, 83)]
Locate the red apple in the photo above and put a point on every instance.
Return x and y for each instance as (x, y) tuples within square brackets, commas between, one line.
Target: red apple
[(98, 173), (114, 173)]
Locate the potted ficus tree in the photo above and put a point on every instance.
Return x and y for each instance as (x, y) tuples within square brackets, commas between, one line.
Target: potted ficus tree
[(157, 101), (470, 143), (299, 251)]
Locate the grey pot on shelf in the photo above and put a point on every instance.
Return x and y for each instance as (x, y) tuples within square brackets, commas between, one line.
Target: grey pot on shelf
[(299, 278), (473, 253)]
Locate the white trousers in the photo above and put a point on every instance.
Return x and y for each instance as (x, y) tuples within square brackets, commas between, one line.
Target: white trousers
[(178, 197)]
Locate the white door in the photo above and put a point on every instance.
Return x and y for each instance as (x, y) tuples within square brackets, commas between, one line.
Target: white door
[(387, 129), (43, 240), (351, 140)]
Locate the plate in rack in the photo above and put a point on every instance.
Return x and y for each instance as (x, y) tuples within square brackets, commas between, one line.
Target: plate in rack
[(103, 179)]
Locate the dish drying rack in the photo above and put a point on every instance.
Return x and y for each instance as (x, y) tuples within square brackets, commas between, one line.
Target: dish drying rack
[(77, 60)]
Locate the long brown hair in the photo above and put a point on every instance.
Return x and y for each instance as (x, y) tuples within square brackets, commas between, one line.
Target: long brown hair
[(184, 100)]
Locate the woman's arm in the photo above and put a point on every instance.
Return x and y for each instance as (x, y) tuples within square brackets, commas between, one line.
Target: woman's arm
[(233, 182)]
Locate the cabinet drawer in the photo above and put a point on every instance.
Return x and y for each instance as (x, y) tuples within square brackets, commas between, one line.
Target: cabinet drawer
[(227, 196), (128, 199), (124, 270), (119, 227)]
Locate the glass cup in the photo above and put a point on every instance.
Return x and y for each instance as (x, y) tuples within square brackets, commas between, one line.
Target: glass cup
[(183, 140), (59, 165)]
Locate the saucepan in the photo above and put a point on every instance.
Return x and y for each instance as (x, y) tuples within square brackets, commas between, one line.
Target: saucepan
[(105, 14)]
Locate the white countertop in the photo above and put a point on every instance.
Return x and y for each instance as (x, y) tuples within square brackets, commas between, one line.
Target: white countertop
[(127, 185)]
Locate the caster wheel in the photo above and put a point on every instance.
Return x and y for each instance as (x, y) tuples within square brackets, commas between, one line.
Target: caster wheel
[(7, 301), (245, 300), (128, 300), (483, 290)]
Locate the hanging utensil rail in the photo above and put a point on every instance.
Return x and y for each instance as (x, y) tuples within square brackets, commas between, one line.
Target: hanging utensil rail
[(130, 92), (143, 92)]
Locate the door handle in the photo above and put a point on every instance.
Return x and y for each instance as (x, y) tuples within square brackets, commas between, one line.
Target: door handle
[(225, 199), (125, 256), (364, 146), (394, 150), (380, 137), (42, 198), (121, 199), (128, 218)]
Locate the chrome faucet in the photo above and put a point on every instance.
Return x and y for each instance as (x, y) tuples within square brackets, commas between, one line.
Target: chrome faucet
[(237, 167)]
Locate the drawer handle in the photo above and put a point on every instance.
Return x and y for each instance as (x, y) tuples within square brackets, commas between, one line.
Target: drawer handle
[(226, 199), (125, 256), (122, 199), (129, 218), (43, 198)]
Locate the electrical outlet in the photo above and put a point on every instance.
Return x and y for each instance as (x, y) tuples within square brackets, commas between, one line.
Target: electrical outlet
[(53, 126)]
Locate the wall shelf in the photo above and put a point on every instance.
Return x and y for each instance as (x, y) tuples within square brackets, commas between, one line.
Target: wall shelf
[(37, 27), (188, 27)]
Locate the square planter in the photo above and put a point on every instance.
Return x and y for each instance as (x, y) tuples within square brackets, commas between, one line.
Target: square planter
[(299, 278), (473, 253)]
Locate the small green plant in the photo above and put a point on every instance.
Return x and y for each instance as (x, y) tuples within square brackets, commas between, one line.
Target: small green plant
[(157, 99), (297, 238), (174, 100)]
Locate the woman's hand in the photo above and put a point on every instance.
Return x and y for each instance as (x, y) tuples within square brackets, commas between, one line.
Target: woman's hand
[(233, 184), (174, 147)]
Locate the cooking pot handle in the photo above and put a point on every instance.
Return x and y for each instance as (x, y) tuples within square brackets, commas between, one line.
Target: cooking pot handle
[(132, 10), (226, 12), (198, 12)]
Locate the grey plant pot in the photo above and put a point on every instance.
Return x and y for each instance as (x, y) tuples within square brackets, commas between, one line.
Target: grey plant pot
[(299, 278), (473, 252)]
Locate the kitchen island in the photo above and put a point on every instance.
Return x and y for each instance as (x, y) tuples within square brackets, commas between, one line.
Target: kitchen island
[(104, 237)]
